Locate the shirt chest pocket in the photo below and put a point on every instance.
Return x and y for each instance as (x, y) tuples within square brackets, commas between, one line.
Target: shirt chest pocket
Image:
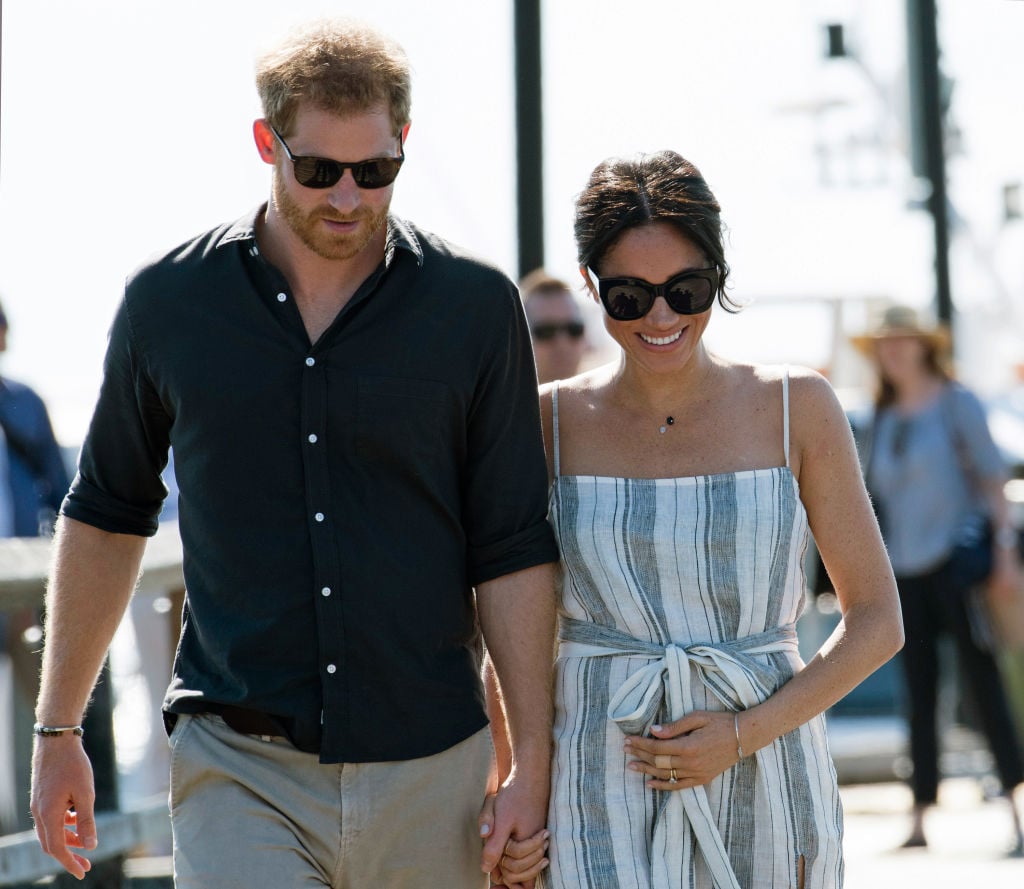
[(404, 421)]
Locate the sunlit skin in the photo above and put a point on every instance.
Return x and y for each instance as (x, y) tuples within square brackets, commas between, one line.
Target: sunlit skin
[(728, 418), (335, 223), (655, 253), (325, 241)]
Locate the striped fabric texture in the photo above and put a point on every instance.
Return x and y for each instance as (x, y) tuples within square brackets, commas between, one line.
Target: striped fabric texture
[(677, 595)]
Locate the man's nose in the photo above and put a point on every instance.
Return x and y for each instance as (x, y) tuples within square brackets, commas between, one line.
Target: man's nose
[(345, 194)]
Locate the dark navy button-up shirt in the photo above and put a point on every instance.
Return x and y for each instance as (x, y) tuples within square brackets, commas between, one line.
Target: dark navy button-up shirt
[(338, 501)]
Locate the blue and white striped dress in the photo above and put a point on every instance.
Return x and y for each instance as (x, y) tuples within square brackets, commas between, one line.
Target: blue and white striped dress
[(682, 594)]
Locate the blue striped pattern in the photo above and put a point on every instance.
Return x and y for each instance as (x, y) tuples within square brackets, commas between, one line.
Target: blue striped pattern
[(684, 565)]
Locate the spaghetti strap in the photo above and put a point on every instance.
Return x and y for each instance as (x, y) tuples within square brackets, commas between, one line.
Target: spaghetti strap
[(634, 599), (785, 414), (554, 422)]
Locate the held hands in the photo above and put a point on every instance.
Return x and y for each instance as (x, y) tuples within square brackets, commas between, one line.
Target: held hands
[(514, 863), (62, 801), (693, 750)]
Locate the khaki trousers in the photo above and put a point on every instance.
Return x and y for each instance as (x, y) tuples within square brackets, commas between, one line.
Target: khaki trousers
[(250, 812)]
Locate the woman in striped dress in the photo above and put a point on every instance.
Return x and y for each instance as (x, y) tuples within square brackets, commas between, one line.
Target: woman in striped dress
[(690, 747)]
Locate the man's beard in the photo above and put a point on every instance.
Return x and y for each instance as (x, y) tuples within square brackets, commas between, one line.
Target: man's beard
[(308, 226)]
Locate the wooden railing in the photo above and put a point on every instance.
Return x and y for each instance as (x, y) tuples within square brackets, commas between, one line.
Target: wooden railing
[(24, 564)]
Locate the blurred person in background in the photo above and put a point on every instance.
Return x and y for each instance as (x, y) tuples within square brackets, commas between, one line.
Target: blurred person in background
[(556, 326), (937, 481), (33, 479)]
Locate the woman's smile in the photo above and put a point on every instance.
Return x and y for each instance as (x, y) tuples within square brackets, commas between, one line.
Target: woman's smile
[(662, 340)]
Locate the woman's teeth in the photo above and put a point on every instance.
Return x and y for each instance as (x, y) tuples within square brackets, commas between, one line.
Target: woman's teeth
[(661, 340)]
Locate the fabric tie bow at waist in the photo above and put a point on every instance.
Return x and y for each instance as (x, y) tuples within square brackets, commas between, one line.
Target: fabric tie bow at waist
[(735, 674)]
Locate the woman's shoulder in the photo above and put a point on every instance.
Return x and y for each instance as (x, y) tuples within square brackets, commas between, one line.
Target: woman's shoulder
[(963, 398), (812, 402), (803, 383), (583, 385)]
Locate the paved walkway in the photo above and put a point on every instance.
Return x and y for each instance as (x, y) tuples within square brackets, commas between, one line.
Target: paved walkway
[(968, 836)]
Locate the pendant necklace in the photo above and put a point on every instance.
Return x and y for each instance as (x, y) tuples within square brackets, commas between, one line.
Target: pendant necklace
[(669, 421)]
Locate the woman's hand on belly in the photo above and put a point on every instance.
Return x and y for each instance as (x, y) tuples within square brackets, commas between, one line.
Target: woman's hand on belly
[(693, 750)]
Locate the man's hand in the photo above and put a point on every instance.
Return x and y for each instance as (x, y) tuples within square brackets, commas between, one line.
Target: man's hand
[(62, 801), (522, 861), (512, 823)]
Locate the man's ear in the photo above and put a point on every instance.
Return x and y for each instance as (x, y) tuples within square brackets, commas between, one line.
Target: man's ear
[(266, 144)]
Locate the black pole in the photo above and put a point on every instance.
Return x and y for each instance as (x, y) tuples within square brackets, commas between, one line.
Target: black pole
[(529, 136), (926, 127)]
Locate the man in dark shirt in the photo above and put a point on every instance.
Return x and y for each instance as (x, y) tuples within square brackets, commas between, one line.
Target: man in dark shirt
[(352, 408)]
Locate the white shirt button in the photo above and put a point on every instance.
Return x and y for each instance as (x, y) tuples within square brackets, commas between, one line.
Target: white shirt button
[(319, 517), (331, 668), (282, 297), (325, 592), (310, 361), (312, 438)]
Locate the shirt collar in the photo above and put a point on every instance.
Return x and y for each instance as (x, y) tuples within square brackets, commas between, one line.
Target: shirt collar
[(400, 235)]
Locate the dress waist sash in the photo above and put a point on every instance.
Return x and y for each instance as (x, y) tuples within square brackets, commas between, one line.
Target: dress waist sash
[(735, 675)]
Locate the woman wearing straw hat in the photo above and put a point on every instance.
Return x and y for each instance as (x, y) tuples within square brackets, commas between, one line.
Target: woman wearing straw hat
[(937, 479)]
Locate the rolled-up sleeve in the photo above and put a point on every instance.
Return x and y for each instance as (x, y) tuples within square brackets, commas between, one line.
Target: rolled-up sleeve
[(118, 486), (506, 490)]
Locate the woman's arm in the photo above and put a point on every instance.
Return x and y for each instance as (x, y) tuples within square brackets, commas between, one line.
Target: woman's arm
[(846, 533), (704, 744)]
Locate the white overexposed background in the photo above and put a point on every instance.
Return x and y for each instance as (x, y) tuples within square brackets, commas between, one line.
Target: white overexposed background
[(126, 129)]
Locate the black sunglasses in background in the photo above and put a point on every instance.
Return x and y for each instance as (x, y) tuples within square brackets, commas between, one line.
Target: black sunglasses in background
[(544, 332), (688, 293), (322, 172)]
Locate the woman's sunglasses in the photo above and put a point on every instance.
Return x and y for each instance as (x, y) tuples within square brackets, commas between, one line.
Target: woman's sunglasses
[(322, 172), (688, 293)]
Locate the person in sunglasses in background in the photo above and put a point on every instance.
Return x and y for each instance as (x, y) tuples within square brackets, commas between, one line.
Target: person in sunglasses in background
[(690, 746), (556, 326), (353, 411)]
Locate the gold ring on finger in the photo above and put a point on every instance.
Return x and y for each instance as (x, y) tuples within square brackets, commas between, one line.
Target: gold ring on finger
[(663, 761), (672, 779)]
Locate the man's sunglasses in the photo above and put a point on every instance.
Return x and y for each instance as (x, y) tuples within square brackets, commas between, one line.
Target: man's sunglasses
[(688, 293), (545, 332), (322, 172)]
